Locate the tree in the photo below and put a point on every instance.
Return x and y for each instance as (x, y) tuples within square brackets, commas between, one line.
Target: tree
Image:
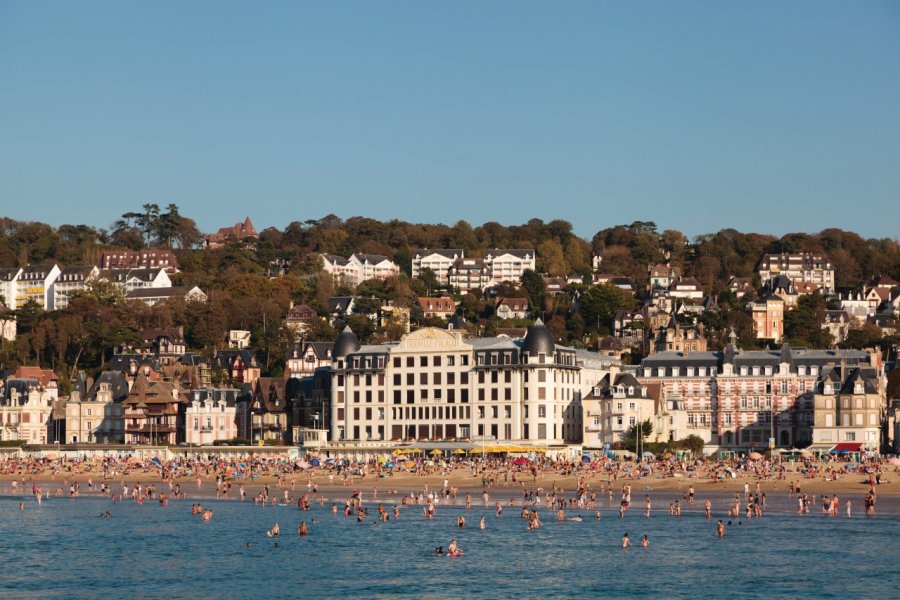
[(631, 434), (428, 277), (694, 443), (534, 287), (600, 303)]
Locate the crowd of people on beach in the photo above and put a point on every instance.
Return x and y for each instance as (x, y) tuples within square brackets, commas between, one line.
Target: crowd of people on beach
[(595, 481)]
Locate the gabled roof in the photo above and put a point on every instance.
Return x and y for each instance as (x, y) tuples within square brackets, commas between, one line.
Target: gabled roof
[(37, 272), (339, 303), (175, 334), (442, 304), (513, 304), (450, 253), (269, 396), (152, 392), (8, 274), (122, 275), (300, 312), (225, 358), (523, 253), (160, 292), (44, 376), (118, 386), (372, 259), (122, 362)]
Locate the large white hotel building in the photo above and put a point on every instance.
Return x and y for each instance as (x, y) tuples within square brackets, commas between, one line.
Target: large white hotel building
[(438, 385)]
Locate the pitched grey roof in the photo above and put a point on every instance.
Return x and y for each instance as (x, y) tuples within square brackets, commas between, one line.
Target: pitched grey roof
[(118, 386), (445, 252)]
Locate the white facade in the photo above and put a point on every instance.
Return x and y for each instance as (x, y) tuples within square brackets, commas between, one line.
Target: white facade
[(439, 261), (437, 385), (359, 267), (25, 415), (803, 267), (509, 265), (71, 281), (9, 286), (36, 283), (94, 421)]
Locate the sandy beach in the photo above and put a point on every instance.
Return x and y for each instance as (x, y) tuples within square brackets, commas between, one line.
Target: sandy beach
[(463, 479)]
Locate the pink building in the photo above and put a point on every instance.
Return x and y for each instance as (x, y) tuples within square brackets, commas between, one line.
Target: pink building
[(214, 414)]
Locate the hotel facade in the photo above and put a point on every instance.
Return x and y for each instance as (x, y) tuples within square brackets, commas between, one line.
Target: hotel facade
[(437, 385)]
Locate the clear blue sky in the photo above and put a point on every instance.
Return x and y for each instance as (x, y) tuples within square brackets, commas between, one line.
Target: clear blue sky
[(762, 116)]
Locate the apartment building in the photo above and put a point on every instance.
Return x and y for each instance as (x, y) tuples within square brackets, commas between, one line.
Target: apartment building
[(359, 267), (438, 385), (802, 267), (741, 399)]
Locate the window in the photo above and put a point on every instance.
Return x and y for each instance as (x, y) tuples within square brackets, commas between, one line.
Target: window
[(451, 360), (632, 421), (542, 410)]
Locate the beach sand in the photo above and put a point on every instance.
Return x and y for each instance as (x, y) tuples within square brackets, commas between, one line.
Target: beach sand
[(462, 478)]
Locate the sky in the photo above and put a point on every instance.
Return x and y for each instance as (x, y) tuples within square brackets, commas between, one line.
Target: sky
[(765, 116)]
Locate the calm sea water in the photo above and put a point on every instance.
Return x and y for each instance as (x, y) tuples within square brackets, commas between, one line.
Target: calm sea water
[(63, 550)]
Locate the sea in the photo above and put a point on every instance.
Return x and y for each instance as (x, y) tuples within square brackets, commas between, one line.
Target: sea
[(62, 549)]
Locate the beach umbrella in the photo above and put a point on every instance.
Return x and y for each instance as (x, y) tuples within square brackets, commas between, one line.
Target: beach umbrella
[(314, 462), (586, 458), (756, 456), (459, 451), (329, 461), (416, 451), (398, 451), (382, 459), (647, 455), (390, 464), (401, 457), (520, 461), (435, 452)]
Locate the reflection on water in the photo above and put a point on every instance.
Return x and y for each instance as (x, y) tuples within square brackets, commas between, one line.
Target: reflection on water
[(63, 549)]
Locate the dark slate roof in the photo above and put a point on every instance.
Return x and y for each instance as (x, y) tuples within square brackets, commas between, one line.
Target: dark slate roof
[(23, 386), (446, 252), (339, 303), (122, 362), (160, 292), (346, 343), (228, 395), (538, 339), (868, 376), (224, 358), (9, 274), (118, 385), (626, 380), (372, 259), (122, 275), (192, 359), (322, 350), (520, 252)]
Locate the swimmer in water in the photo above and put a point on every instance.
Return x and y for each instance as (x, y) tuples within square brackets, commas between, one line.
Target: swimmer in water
[(453, 549), (626, 543), (302, 529), (481, 523), (645, 541), (720, 529)]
